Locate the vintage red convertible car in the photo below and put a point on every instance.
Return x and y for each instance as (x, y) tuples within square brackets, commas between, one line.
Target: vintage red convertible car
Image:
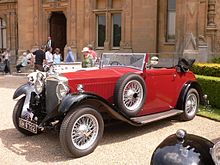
[(130, 87)]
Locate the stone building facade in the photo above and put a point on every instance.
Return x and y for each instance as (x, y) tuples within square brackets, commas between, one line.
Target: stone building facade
[(111, 25)]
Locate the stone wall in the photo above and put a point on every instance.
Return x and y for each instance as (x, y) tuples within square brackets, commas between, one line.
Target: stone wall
[(144, 24), (9, 15)]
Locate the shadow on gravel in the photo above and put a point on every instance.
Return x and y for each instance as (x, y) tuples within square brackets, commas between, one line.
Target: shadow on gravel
[(123, 131), (46, 147)]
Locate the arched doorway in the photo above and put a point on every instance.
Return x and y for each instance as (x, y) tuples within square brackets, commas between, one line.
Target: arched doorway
[(58, 30)]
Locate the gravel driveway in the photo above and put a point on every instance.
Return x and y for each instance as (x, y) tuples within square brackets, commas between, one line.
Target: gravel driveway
[(121, 143)]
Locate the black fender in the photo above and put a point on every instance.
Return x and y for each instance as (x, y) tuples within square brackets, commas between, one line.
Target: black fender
[(23, 89), (74, 100), (189, 149), (185, 89)]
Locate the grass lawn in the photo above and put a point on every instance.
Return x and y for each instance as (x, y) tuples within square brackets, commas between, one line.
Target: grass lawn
[(211, 113)]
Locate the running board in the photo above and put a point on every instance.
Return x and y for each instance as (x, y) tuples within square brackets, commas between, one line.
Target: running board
[(157, 116)]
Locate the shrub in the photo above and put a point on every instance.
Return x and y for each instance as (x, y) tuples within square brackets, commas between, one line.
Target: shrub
[(206, 69), (216, 60), (211, 87)]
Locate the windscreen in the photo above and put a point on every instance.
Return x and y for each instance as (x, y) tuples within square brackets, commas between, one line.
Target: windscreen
[(133, 60)]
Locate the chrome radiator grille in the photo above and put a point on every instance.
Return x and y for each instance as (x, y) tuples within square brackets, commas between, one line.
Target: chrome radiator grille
[(51, 97)]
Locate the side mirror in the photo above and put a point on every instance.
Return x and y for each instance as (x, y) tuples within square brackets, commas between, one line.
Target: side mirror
[(154, 61)]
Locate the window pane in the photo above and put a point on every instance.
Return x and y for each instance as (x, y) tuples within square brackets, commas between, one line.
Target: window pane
[(2, 34), (171, 25), (4, 39), (171, 20), (171, 4), (116, 30), (101, 30)]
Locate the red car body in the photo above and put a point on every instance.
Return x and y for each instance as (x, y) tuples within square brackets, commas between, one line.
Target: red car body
[(163, 85)]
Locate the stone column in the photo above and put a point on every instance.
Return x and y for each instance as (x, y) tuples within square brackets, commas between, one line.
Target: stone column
[(71, 28), (12, 35), (87, 22), (25, 25), (211, 28), (72, 24), (92, 32), (107, 43), (36, 24), (126, 25)]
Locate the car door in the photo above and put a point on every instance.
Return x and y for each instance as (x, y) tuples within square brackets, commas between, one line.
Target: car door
[(161, 90)]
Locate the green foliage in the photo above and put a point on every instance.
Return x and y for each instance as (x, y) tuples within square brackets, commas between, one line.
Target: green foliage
[(206, 69), (216, 60), (211, 87), (212, 113)]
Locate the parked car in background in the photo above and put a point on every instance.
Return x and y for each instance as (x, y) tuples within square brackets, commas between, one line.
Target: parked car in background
[(129, 87), (186, 149)]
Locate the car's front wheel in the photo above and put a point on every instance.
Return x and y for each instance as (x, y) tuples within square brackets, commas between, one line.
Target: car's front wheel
[(81, 131), (191, 105), (17, 114)]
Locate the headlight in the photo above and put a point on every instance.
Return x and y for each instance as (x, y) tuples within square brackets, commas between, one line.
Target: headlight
[(61, 90), (40, 76), (216, 153), (38, 86)]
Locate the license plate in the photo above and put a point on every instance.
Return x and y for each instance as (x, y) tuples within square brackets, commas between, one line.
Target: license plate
[(28, 125)]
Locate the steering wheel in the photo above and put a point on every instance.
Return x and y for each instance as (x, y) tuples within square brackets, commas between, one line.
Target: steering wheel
[(115, 63)]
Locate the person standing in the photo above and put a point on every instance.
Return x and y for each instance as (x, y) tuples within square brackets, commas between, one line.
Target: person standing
[(39, 59), (70, 57), (50, 43), (6, 59), (93, 53), (49, 56), (57, 56), (88, 58)]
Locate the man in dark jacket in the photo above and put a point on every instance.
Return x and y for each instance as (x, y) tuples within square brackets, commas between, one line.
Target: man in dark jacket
[(39, 59)]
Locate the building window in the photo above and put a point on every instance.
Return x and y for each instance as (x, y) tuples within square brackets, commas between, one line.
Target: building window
[(101, 30), (116, 29), (2, 35), (171, 20), (108, 23)]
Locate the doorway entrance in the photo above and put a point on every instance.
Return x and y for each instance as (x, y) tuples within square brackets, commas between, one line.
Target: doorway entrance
[(58, 30)]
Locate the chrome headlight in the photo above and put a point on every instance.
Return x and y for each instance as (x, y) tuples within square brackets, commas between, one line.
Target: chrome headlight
[(215, 152), (39, 82), (61, 90), (38, 86)]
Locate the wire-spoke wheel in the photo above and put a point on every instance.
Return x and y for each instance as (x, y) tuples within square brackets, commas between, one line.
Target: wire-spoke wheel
[(81, 131), (191, 104), (130, 94), (85, 131)]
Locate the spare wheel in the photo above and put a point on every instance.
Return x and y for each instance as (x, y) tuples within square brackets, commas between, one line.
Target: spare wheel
[(130, 94)]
